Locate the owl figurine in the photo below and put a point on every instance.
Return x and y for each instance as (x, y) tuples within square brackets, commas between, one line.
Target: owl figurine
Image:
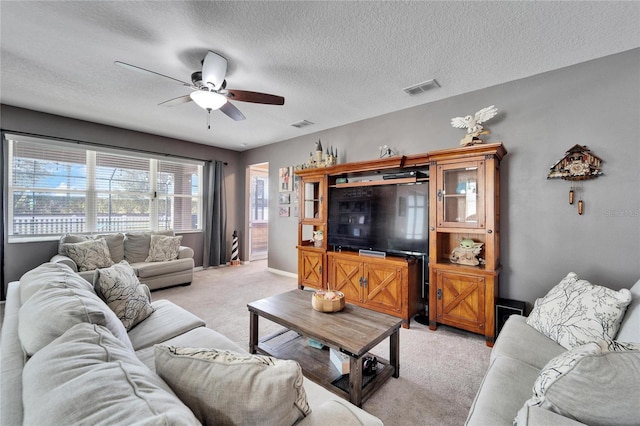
[(473, 124)]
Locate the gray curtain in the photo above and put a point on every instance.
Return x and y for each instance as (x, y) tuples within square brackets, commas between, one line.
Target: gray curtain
[(3, 193), (215, 215)]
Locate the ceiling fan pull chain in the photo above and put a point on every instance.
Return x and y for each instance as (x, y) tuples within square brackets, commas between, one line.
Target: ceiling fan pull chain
[(209, 118)]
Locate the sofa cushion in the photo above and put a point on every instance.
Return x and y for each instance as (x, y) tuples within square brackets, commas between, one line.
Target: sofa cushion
[(136, 245), (575, 384), (90, 254), (198, 337), (57, 307), (120, 289), (516, 340), (630, 327), (163, 248), (341, 413), (49, 273), (505, 386), (153, 269), (575, 312), (168, 320), (88, 377), (114, 242), (223, 387)]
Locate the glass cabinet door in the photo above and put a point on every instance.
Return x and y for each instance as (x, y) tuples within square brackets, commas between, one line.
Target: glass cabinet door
[(312, 199), (460, 195)]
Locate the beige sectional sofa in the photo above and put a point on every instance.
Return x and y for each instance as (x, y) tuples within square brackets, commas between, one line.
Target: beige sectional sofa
[(165, 270), (534, 380), (67, 358)]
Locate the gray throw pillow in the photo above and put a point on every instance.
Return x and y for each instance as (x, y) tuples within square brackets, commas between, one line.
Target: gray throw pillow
[(137, 244), (224, 388), (577, 383), (120, 288)]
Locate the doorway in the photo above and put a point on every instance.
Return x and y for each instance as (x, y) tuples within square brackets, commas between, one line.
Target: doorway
[(258, 208)]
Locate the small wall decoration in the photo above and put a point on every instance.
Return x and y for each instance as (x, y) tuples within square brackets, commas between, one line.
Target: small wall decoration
[(578, 164), (284, 211), (285, 180), (472, 123), (285, 198)]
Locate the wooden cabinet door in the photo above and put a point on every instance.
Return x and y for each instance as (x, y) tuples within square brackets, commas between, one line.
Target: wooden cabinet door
[(346, 276), (460, 300), (460, 192), (311, 268), (383, 286)]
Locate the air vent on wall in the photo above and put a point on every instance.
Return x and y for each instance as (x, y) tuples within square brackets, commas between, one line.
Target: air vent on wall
[(421, 87), (302, 123)]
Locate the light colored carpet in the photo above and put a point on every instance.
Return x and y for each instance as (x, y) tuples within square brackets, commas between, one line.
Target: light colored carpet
[(440, 371)]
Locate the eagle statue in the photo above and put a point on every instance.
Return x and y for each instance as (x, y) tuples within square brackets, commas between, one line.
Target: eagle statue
[(473, 124)]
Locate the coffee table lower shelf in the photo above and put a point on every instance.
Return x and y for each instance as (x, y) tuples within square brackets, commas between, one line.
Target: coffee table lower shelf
[(316, 365)]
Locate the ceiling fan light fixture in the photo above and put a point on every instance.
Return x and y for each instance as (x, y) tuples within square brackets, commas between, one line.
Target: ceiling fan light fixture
[(208, 100)]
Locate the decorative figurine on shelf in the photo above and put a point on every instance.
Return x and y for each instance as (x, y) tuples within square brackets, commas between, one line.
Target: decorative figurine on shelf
[(318, 237), (317, 160), (472, 123), (386, 151), (467, 253)]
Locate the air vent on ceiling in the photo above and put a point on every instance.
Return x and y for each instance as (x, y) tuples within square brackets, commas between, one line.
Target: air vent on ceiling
[(302, 123), (421, 87)]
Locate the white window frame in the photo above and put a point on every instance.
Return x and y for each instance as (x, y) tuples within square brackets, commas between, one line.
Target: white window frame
[(91, 190)]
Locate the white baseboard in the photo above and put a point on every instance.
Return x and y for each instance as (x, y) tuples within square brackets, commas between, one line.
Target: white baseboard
[(283, 273)]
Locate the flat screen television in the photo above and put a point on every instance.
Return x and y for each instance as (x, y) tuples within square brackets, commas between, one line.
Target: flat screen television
[(390, 218)]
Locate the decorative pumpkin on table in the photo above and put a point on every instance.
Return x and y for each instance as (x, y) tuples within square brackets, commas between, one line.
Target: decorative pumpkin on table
[(467, 253)]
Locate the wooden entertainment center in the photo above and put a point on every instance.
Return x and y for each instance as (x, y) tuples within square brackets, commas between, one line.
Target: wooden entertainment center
[(464, 195)]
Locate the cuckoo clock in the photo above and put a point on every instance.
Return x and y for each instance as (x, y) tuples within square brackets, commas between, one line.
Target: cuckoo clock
[(578, 164)]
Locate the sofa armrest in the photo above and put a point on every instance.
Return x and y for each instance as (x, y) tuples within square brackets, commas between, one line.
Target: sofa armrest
[(59, 258), (185, 252)]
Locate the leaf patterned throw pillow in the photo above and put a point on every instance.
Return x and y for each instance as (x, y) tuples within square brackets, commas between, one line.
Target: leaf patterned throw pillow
[(90, 254), (120, 289), (163, 248), (576, 312)]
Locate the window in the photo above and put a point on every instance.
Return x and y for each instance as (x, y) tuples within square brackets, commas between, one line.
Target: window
[(60, 187)]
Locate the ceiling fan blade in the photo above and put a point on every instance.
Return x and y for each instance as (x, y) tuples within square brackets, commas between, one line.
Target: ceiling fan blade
[(176, 101), (143, 70), (233, 112), (214, 69), (255, 97)]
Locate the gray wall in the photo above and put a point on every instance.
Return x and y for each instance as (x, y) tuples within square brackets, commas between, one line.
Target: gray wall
[(20, 257), (596, 104)]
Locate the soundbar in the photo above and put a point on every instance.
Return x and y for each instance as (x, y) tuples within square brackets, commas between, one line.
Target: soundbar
[(408, 174)]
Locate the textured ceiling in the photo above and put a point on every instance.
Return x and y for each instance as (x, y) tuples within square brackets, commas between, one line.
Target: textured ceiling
[(334, 62)]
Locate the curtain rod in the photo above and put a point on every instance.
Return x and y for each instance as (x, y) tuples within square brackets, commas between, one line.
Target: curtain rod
[(102, 145)]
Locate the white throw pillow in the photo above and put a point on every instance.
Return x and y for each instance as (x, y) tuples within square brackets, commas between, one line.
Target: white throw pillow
[(163, 248), (90, 254), (120, 288), (592, 385), (223, 387), (87, 377), (575, 312)]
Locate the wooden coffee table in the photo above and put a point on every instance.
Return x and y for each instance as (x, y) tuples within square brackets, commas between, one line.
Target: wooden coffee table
[(353, 331)]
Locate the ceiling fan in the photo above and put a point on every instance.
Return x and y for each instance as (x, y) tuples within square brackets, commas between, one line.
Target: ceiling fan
[(209, 88)]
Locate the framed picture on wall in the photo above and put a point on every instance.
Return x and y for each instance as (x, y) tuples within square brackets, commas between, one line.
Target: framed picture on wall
[(285, 198), (285, 179), (284, 211)]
